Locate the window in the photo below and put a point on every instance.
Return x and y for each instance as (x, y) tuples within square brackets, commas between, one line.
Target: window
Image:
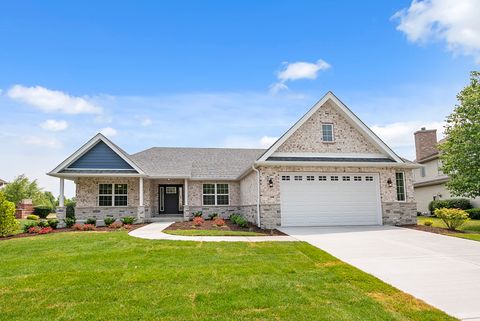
[(310, 178), (216, 194), (334, 178), (322, 178), (298, 178), (285, 178), (369, 178), (112, 195), (400, 180), (327, 132), (170, 190), (346, 178), (422, 171), (357, 178)]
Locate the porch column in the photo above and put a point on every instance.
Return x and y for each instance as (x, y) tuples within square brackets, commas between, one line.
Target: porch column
[(140, 192), (61, 198)]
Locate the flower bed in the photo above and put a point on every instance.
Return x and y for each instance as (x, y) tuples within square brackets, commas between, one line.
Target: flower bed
[(216, 225)]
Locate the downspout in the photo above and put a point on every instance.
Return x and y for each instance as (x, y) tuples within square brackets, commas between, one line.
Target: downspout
[(258, 194)]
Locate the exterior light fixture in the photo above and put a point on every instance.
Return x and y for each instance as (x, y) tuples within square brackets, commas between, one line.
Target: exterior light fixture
[(270, 182), (389, 182)]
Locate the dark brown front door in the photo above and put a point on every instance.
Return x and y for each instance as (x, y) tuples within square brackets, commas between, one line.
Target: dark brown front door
[(170, 199)]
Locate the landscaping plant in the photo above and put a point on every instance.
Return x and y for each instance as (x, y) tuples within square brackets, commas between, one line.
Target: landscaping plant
[(32, 217), (460, 203), (219, 222), (212, 216), (198, 214), (69, 221), (128, 220), (428, 223), (108, 220), (42, 223), (198, 221), (92, 221), (45, 230), (28, 225), (42, 211), (34, 229), (8, 223), (115, 225), (53, 223), (474, 213), (452, 217), (78, 227), (88, 227)]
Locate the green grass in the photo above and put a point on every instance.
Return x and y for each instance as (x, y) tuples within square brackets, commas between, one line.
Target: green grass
[(112, 276), (211, 233), (470, 226)]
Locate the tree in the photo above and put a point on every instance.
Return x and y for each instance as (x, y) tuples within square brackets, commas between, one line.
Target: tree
[(8, 223), (460, 153), (22, 188)]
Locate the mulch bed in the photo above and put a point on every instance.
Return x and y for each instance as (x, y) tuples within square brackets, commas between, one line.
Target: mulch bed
[(229, 226), (63, 230), (432, 229)]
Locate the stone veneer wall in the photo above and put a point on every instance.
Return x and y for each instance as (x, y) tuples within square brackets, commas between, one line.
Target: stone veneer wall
[(308, 136)]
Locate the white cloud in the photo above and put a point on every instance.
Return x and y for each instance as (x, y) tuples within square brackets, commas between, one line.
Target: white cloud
[(54, 125), (146, 121), (453, 21), (43, 142), (52, 100), (109, 132), (297, 70), (267, 141)]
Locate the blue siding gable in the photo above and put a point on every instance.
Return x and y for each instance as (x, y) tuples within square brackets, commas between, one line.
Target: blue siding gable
[(100, 156)]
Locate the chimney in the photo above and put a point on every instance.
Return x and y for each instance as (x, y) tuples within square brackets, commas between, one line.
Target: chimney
[(425, 143)]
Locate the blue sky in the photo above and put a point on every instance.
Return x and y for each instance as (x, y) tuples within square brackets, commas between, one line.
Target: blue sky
[(218, 73)]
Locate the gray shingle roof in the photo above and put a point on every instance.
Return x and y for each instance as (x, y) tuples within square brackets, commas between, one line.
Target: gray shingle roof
[(196, 163)]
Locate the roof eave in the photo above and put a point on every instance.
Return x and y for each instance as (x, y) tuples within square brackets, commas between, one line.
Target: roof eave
[(337, 164)]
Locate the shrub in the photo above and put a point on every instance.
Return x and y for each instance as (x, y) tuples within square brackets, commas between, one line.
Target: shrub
[(70, 209), (242, 222), (78, 227), (212, 216), (474, 213), (32, 217), (234, 217), (42, 211), (92, 221), (198, 214), (28, 225), (43, 223), (8, 223), (45, 230), (69, 221), (128, 220), (452, 217), (34, 229), (198, 221), (88, 227), (460, 203), (53, 223), (428, 223), (108, 220), (219, 222), (115, 225)]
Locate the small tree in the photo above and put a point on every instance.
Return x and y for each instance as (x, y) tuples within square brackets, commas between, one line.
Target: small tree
[(460, 153), (452, 217), (22, 188), (8, 223)]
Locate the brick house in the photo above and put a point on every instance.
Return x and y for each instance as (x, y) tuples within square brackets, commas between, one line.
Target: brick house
[(329, 168)]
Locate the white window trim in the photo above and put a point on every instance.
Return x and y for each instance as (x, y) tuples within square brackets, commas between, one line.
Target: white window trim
[(333, 134), (215, 194), (113, 195), (404, 187)]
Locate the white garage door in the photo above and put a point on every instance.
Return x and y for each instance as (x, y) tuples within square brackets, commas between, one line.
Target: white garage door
[(321, 199)]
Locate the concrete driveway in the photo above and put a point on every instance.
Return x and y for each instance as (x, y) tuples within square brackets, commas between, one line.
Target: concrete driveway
[(443, 271)]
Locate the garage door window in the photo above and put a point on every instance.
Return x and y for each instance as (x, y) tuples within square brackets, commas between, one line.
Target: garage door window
[(298, 178), (334, 178), (285, 178), (400, 180), (322, 178), (357, 178), (369, 178), (310, 178), (346, 178)]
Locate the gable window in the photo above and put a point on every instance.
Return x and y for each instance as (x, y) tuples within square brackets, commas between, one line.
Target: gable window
[(400, 180), (112, 195), (216, 194), (327, 133)]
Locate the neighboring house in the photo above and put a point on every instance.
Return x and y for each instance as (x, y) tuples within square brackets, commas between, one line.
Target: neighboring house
[(429, 180), (328, 169), (3, 183)]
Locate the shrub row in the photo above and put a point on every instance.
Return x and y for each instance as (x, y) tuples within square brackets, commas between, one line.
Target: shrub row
[(32, 226), (239, 220), (460, 203)]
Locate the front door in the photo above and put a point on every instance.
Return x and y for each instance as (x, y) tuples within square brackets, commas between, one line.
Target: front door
[(170, 199)]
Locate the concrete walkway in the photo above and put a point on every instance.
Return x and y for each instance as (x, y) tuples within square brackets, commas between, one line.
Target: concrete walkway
[(154, 232), (443, 271)]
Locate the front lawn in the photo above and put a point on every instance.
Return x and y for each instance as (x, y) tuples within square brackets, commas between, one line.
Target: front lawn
[(212, 233), (112, 276), (470, 230)]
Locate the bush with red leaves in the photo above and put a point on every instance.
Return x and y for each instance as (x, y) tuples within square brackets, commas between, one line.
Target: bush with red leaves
[(88, 227), (34, 229), (219, 222), (115, 225), (78, 227), (45, 230), (198, 221)]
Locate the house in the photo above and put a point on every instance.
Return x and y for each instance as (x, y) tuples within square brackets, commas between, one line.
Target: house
[(3, 183), (328, 169), (429, 180)]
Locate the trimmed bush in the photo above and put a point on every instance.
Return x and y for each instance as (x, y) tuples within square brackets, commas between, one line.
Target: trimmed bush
[(460, 203), (128, 220), (8, 223), (70, 209), (115, 225), (43, 223), (78, 227), (198, 214), (92, 221), (108, 220), (88, 227), (69, 221), (34, 229), (198, 221), (45, 230), (474, 213), (242, 222), (452, 217), (219, 222), (28, 225), (42, 211), (234, 218), (33, 217), (428, 223), (53, 223)]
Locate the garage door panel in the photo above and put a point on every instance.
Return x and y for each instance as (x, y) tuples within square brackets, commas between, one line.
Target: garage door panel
[(326, 202)]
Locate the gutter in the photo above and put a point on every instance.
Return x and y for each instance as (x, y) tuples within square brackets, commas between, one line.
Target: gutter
[(258, 194)]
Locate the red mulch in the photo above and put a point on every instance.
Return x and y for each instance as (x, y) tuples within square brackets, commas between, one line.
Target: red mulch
[(229, 226), (432, 229), (63, 230)]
